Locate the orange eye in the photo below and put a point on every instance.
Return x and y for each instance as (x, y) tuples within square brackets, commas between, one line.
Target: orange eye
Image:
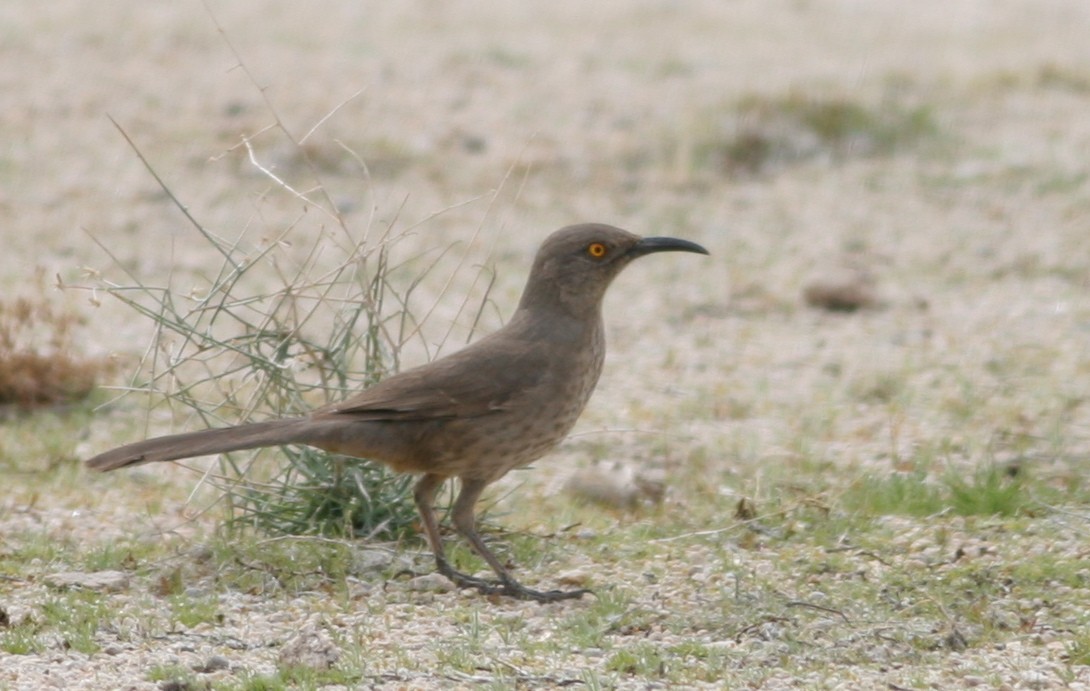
[(596, 250)]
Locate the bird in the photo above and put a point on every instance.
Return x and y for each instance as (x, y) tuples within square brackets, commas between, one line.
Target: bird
[(498, 404)]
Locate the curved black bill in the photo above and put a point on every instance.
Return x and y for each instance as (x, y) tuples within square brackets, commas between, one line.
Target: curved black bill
[(659, 244)]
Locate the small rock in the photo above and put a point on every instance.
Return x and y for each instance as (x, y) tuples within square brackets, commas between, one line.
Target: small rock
[(745, 509), (310, 648), (215, 663), (370, 561), (358, 589), (1032, 679), (474, 143), (111, 581), (431, 583), (202, 553), (618, 485), (576, 577), (842, 291), (954, 640)]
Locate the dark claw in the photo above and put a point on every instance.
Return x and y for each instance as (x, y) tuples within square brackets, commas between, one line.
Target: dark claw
[(508, 587), (521, 592)]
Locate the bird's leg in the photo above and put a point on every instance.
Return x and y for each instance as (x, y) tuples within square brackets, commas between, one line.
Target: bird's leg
[(465, 522), (424, 496)]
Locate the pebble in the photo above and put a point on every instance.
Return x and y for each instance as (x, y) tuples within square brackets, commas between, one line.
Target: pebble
[(431, 583), (842, 290), (576, 577), (311, 648), (216, 663), (107, 581), (616, 485), (370, 561)]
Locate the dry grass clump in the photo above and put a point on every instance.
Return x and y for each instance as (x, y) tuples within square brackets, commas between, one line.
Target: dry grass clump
[(233, 349), (40, 362), (232, 353), (237, 346)]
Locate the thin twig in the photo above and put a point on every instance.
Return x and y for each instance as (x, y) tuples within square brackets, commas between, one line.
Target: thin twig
[(330, 114), (820, 608)]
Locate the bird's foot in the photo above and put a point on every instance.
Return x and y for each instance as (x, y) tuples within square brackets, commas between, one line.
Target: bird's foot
[(521, 592), (508, 587)]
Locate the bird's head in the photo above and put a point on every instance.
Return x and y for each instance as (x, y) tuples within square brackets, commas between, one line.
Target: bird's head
[(576, 264)]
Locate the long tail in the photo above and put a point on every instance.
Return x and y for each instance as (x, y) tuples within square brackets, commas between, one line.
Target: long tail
[(210, 441)]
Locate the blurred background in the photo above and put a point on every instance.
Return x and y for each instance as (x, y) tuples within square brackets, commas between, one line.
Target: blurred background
[(896, 197), (932, 163)]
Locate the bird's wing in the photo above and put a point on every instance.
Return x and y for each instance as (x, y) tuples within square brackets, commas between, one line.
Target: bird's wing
[(472, 382)]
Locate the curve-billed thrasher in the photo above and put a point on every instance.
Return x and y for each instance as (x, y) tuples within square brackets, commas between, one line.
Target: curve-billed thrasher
[(498, 404)]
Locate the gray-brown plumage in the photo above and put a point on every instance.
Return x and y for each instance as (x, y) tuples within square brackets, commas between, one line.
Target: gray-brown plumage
[(498, 404)]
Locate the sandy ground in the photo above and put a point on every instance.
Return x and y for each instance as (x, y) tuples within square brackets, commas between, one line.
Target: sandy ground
[(489, 124)]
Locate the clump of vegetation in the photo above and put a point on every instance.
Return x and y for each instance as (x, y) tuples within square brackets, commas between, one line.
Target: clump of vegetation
[(988, 491), (74, 617), (1064, 77), (762, 134), (40, 361), (234, 348), (228, 353)]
